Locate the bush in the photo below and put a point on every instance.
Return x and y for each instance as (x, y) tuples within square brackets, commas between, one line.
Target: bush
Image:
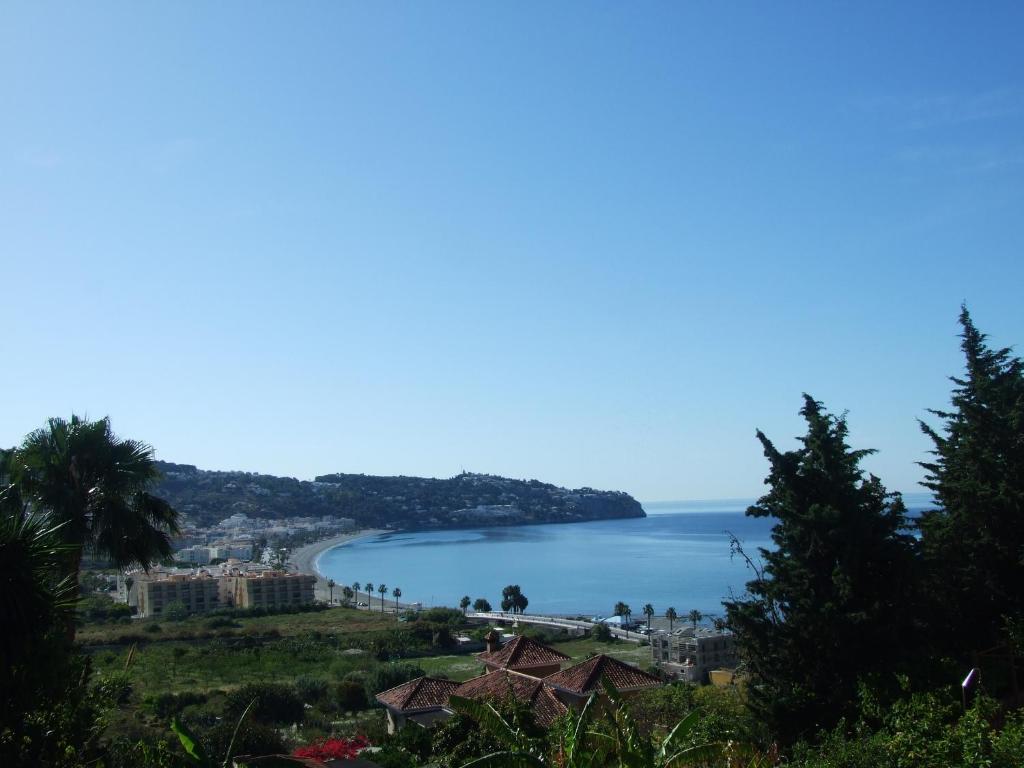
[(351, 695), (152, 628), (602, 633), (311, 689), (113, 688), (438, 616), (254, 738), (166, 705), (274, 703)]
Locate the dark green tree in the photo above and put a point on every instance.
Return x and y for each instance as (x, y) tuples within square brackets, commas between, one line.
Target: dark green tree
[(973, 543), (829, 603), (649, 613), (383, 589), (481, 605), (464, 602), (695, 616)]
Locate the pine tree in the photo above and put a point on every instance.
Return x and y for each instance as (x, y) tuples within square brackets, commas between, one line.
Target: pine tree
[(974, 542), (828, 604)]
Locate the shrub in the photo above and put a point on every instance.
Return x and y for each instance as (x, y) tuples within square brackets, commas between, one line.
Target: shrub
[(351, 695), (275, 703), (311, 689), (166, 705), (152, 628), (254, 738)]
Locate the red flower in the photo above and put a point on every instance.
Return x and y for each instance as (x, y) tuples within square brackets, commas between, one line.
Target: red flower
[(333, 749)]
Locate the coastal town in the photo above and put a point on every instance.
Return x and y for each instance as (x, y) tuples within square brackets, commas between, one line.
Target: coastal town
[(237, 563)]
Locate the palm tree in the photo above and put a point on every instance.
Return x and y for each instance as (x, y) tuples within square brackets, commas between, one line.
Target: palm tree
[(397, 593), (36, 594), (94, 485), (671, 615), (695, 616), (464, 603), (356, 586), (623, 611), (330, 586), (648, 612), (369, 593), (383, 589)]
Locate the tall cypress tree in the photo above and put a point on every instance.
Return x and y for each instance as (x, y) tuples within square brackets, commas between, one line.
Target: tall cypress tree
[(974, 542), (829, 603)]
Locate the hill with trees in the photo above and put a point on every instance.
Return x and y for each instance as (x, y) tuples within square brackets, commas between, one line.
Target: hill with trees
[(466, 500)]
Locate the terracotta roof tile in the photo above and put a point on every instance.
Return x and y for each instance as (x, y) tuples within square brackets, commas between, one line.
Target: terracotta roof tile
[(585, 678), (498, 686), (421, 693), (522, 653)]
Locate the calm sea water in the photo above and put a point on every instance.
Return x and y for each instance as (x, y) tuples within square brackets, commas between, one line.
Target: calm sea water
[(677, 556)]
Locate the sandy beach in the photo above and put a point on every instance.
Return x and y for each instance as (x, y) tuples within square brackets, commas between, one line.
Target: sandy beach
[(304, 560)]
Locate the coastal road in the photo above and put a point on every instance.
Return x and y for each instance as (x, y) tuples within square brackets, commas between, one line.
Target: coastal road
[(550, 621)]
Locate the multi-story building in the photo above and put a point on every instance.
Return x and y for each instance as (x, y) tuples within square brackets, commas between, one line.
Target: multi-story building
[(268, 589), (693, 653), (198, 554), (198, 593)]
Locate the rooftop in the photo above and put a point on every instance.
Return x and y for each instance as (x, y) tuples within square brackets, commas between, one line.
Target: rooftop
[(419, 694), (502, 685), (585, 678), (522, 653)]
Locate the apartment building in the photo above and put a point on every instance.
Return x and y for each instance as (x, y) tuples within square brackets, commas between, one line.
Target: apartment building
[(198, 594), (268, 589), (692, 653)]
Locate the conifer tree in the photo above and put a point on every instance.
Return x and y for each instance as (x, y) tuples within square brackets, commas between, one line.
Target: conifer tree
[(826, 605), (974, 542)]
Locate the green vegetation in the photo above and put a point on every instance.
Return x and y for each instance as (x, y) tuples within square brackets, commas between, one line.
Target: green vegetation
[(374, 502), (833, 589)]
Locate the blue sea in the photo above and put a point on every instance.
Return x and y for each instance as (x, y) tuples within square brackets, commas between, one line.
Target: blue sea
[(677, 556)]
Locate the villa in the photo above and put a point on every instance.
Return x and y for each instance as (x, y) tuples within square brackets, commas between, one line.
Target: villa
[(521, 670)]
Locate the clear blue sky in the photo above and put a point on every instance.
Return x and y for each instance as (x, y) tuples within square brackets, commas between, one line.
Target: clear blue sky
[(596, 244)]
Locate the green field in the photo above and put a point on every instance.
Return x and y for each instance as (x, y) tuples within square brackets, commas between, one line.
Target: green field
[(201, 654)]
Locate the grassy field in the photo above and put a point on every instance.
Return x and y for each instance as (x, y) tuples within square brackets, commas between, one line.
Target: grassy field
[(204, 654)]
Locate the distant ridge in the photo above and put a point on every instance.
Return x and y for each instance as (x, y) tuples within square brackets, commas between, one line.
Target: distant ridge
[(412, 503)]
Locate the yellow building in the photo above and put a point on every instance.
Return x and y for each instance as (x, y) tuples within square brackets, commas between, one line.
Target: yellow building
[(198, 593), (269, 589)]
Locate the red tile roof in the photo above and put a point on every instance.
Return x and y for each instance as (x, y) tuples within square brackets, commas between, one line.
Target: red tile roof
[(421, 693), (522, 653), (498, 686), (585, 678)]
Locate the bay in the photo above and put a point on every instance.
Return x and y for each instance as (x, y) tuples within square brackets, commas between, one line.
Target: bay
[(679, 556)]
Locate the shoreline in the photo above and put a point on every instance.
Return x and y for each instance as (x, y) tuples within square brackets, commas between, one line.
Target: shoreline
[(305, 559)]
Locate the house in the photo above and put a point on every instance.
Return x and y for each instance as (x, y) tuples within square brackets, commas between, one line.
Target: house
[(522, 670), (577, 683), (521, 654), (421, 700), (504, 685)]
